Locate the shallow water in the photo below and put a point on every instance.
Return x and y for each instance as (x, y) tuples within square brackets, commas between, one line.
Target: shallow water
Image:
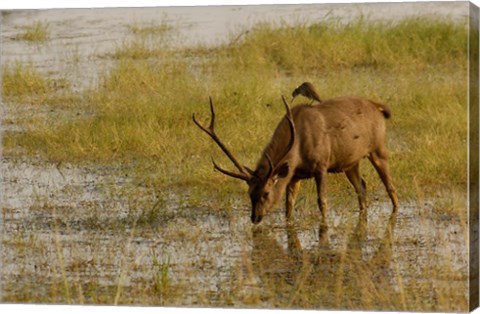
[(74, 234), (65, 219)]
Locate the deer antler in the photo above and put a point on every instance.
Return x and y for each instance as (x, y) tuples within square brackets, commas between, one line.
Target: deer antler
[(245, 173), (291, 125)]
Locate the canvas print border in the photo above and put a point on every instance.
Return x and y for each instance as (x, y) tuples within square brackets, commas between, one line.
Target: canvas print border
[(144, 219), (474, 150)]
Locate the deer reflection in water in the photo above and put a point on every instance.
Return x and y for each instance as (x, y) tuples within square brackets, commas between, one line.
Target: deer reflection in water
[(326, 275)]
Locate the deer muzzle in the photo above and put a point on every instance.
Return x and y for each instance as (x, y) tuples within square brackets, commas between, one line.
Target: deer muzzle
[(256, 219)]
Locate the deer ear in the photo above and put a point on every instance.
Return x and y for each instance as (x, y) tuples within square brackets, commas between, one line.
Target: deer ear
[(281, 171)]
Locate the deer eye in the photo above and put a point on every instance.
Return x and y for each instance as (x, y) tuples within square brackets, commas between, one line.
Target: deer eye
[(265, 195)]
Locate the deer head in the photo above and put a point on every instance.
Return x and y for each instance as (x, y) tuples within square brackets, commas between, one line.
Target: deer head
[(267, 183)]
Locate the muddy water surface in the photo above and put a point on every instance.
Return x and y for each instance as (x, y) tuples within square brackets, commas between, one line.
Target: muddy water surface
[(65, 225), (73, 234)]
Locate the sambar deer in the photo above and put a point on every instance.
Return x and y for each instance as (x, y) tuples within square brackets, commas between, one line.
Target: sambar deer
[(309, 142)]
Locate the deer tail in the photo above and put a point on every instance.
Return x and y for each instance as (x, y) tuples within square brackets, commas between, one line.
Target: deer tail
[(384, 109)]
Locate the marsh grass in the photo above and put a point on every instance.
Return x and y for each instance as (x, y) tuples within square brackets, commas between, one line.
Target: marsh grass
[(138, 49), (24, 84), (150, 41), (142, 109), (23, 80), (409, 44), (150, 29), (138, 120), (37, 32)]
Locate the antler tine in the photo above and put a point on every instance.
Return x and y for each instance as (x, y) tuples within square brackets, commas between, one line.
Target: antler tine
[(270, 165), (245, 173), (291, 125), (287, 107), (201, 126), (229, 173), (210, 131), (289, 117), (212, 112)]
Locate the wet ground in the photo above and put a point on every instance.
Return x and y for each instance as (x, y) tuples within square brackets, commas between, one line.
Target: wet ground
[(67, 225), (73, 234)]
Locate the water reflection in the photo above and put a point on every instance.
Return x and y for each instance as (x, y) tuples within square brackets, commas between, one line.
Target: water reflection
[(325, 276)]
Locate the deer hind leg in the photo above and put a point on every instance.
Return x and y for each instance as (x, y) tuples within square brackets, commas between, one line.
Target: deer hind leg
[(353, 175), (379, 162), (321, 182), (292, 191)]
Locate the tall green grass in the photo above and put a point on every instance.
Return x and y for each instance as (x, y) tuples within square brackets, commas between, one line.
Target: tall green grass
[(25, 84), (142, 108), (409, 44)]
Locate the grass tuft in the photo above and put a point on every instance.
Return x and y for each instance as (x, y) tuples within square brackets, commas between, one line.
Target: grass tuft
[(150, 29), (23, 80), (24, 84), (37, 32)]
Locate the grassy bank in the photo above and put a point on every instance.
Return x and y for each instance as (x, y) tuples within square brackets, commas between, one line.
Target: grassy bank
[(140, 113)]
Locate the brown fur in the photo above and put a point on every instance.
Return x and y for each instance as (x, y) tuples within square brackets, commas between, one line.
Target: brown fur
[(330, 137)]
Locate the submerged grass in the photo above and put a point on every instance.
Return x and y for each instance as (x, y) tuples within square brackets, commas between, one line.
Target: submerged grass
[(37, 32), (141, 111), (151, 28)]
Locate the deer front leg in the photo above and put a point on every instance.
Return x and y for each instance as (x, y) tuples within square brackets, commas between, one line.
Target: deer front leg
[(321, 182), (292, 192)]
